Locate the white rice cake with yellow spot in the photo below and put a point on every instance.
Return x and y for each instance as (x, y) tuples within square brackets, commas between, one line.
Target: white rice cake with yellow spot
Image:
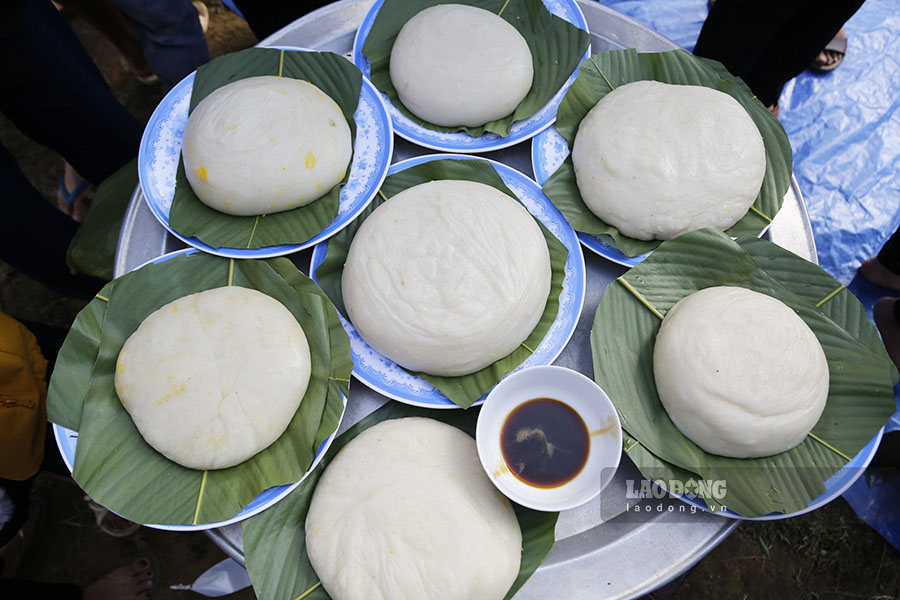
[(213, 378), (264, 145)]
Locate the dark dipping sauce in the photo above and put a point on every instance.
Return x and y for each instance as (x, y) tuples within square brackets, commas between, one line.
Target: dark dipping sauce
[(544, 443)]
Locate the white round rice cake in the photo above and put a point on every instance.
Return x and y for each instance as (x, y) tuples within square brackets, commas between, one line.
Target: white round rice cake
[(263, 145), (739, 373), (405, 511), (456, 65), (657, 160), (213, 378), (447, 277)]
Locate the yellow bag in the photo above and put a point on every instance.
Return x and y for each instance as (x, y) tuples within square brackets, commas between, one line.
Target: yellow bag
[(23, 401)]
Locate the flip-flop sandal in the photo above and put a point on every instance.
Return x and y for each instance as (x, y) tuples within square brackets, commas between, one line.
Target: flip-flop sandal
[(837, 45), (70, 197), (100, 514)]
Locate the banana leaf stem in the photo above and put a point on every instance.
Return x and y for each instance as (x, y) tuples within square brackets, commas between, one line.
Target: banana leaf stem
[(641, 298), (253, 231), (200, 497), (611, 87), (505, 4), (309, 591), (829, 296), (762, 214), (829, 446)]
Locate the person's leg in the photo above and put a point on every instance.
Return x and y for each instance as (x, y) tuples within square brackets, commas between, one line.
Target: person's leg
[(135, 580), (884, 269), (34, 236), (170, 33), (886, 313), (52, 91), (109, 21), (796, 44), (737, 32)]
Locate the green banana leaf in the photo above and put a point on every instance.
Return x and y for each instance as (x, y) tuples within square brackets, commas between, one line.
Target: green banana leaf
[(275, 539), (860, 396), (113, 463), (556, 49), (93, 249), (603, 72), (465, 389), (75, 363), (331, 73)]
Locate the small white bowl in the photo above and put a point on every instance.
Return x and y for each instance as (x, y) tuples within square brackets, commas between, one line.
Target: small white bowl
[(582, 395)]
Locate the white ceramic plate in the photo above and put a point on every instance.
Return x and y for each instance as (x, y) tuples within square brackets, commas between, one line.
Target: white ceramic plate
[(582, 395), (160, 152), (461, 141), (67, 440), (386, 377)]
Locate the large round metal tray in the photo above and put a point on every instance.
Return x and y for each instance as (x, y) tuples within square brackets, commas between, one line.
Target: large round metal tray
[(605, 548)]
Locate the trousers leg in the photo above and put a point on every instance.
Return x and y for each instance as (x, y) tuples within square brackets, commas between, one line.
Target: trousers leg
[(768, 42), (52, 91), (889, 255), (34, 236), (790, 52), (170, 34)]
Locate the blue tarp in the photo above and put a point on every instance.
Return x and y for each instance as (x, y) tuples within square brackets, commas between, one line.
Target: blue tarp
[(844, 128)]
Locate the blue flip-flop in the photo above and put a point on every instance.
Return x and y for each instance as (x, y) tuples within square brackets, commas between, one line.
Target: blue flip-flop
[(70, 197)]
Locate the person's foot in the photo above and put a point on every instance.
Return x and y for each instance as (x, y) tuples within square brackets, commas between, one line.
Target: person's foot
[(874, 272), (202, 14), (75, 193), (833, 54), (134, 581), (13, 552), (883, 311)]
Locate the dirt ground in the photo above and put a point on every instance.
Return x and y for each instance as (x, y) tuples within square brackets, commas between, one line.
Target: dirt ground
[(828, 554)]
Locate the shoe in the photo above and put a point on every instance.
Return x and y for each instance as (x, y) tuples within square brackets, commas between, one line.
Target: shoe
[(837, 46), (100, 516)]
